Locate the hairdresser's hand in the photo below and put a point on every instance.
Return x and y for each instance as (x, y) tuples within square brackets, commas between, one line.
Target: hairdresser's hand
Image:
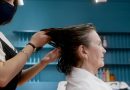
[(39, 39), (51, 56)]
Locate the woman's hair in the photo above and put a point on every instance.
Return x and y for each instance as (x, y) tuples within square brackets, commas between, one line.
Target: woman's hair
[(69, 39)]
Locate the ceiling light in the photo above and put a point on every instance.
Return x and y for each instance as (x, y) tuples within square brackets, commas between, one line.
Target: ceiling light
[(20, 2), (100, 1)]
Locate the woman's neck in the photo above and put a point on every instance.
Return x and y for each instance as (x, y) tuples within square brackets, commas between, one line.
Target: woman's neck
[(90, 68)]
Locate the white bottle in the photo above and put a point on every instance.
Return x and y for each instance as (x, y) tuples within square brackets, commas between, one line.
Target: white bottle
[(104, 42)]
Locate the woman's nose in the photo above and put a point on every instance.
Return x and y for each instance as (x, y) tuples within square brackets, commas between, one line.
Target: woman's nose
[(104, 50)]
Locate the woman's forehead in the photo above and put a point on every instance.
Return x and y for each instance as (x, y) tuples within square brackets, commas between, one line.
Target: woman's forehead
[(93, 36)]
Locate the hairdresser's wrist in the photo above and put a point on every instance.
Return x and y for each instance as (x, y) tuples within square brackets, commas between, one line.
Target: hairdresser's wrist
[(43, 62), (33, 46)]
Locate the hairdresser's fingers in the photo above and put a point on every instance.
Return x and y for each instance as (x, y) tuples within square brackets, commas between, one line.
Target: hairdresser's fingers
[(52, 56)]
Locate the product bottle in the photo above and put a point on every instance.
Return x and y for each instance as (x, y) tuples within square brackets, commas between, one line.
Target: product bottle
[(112, 77), (107, 75), (104, 41), (104, 75)]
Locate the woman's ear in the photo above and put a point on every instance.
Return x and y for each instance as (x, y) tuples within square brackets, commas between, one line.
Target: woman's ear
[(82, 50), (83, 55)]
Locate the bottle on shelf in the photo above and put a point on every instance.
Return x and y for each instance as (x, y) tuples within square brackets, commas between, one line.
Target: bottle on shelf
[(104, 41), (112, 77), (107, 75), (104, 75)]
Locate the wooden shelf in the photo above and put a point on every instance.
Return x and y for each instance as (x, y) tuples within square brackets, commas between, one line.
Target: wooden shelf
[(117, 48), (47, 46), (25, 31), (115, 33), (31, 64)]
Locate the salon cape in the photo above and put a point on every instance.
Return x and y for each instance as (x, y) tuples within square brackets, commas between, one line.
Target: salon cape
[(81, 79)]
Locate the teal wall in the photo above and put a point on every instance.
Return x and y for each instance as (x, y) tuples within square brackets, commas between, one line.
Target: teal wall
[(36, 14)]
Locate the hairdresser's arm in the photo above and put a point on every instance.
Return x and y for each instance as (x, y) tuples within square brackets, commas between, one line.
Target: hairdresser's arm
[(10, 68), (31, 72)]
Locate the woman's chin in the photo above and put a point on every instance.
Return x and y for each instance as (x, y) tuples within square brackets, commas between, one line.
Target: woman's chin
[(102, 64)]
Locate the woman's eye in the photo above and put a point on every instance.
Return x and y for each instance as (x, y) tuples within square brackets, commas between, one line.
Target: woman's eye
[(100, 44)]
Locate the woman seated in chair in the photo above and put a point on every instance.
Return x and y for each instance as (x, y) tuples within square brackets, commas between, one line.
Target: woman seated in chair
[(82, 54)]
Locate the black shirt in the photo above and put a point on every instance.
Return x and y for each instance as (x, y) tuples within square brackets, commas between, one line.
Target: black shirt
[(9, 54)]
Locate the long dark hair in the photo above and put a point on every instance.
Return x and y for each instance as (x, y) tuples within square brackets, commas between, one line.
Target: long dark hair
[(68, 39)]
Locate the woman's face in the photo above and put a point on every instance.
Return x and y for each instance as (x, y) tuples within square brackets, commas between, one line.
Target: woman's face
[(95, 51)]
